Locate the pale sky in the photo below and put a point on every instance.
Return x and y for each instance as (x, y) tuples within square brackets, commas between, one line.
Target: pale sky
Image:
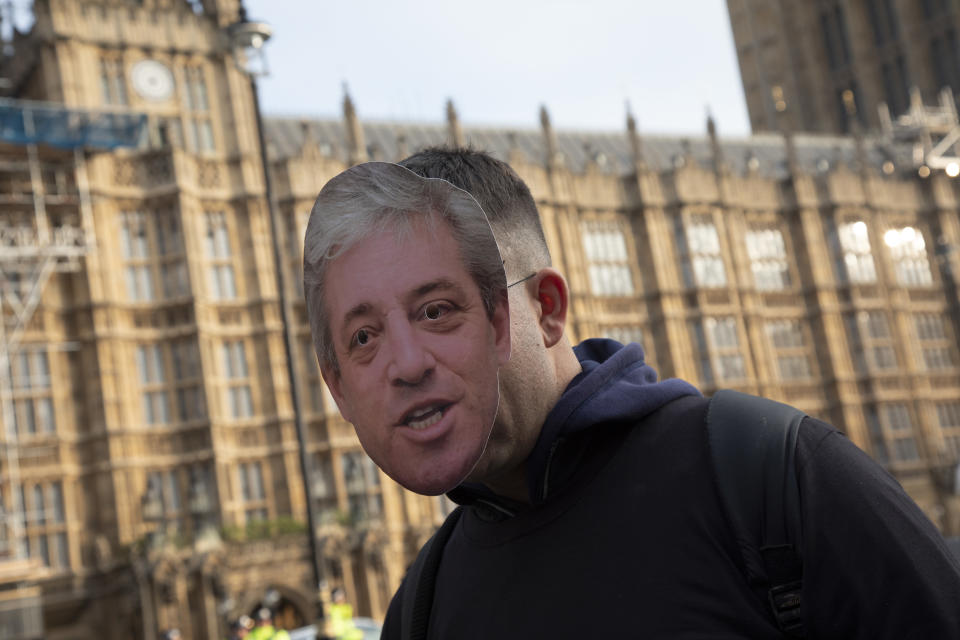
[(499, 60)]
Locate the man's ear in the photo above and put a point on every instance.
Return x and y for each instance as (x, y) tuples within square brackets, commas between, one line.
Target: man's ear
[(501, 328), (332, 379), (552, 300)]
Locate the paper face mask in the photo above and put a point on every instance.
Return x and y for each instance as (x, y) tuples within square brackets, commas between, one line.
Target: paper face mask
[(417, 322)]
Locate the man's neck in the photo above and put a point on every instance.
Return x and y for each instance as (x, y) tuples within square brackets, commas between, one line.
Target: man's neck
[(512, 483)]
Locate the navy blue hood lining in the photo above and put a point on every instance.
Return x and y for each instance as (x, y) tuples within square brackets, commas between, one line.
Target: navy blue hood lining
[(615, 385)]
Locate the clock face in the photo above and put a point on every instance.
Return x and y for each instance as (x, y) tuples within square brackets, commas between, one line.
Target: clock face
[(152, 80)]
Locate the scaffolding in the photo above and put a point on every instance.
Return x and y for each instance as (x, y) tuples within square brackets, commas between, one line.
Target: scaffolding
[(934, 132), (46, 227)]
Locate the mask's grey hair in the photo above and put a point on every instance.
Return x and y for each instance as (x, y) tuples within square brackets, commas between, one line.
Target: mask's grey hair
[(379, 196)]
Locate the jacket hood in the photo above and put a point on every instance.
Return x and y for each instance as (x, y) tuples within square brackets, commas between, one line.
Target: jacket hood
[(615, 386)]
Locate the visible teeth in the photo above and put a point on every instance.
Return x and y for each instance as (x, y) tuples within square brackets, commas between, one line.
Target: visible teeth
[(433, 418), (422, 412)]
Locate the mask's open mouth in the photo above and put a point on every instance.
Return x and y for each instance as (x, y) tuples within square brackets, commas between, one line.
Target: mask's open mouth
[(426, 416)]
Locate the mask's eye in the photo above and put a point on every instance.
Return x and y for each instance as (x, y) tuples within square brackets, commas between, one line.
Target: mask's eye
[(434, 310), (361, 337)]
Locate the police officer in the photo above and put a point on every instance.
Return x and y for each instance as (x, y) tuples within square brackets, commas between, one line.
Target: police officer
[(265, 629)]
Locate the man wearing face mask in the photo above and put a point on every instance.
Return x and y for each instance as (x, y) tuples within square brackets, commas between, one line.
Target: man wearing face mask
[(593, 508)]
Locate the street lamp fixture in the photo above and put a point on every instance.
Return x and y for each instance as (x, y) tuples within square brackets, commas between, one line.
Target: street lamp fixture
[(246, 39), (246, 43)]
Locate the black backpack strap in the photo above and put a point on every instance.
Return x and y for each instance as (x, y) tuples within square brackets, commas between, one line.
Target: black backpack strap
[(421, 579), (752, 445)]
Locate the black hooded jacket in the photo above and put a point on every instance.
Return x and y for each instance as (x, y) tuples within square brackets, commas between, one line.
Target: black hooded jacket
[(624, 535)]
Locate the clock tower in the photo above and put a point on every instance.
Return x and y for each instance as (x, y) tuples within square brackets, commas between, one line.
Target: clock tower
[(169, 59), (176, 473), (170, 483)]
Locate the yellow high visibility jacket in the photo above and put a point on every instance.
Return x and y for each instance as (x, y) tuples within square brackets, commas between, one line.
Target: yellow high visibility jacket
[(341, 622), (267, 632)]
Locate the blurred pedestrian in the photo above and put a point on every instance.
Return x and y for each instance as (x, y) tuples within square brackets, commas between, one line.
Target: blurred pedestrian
[(341, 617), (240, 628), (264, 630)]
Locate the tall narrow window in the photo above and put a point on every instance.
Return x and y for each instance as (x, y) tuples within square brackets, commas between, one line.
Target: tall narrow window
[(718, 343), (32, 392), (323, 487), (768, 259), (152, 247), (789, 348), (701, 352), (363, 486), (948, 416), (135, 241), (700, 242), (113, 84), (57, 520), (39, 505), (44, 524), (170, 255), (55, 502), (197, 105), (220, 258), (20, 511), (871, 341), (605, 247), (908, 251), (252, 493), (313, 382), (163, 487), (187, 380), (896, 430), (201, 495), (936, 348), (239, 397), (857, 266), (153, 379)]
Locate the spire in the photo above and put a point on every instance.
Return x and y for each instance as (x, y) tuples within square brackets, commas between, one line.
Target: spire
[(715, 150), (548, 138), (308, 143), (356, 148), (403, 150), (454, 131), (514, 153), (306, 136), (636, 148)]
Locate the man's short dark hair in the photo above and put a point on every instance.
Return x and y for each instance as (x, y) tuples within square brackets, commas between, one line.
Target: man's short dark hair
[(504, 197)]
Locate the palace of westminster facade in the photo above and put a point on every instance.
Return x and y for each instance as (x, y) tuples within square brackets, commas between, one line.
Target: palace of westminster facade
[(150, 470)]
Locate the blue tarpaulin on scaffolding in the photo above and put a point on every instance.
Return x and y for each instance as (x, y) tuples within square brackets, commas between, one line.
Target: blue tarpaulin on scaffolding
[(34, 122)]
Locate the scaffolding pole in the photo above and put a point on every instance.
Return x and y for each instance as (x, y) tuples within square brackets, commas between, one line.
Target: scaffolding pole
[(46, 250)]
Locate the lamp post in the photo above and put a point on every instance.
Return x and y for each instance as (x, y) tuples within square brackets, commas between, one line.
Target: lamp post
[(246, 40)]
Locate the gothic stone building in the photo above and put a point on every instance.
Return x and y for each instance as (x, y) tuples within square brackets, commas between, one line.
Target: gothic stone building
[(150, 472)]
